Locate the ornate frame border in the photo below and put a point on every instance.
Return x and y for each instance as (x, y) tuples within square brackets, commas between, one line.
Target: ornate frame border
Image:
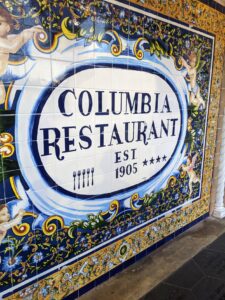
[(198, 15)]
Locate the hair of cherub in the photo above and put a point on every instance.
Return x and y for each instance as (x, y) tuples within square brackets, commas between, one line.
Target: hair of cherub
[(189, 157), (8, 18)]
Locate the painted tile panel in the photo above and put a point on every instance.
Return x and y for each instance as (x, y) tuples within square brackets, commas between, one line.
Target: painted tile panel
[(103, 129)]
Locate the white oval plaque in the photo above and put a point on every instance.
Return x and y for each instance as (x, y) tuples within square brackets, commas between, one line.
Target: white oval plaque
[(103, 139), (101, 131)]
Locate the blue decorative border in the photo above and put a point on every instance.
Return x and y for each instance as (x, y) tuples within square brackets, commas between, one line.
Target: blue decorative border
[(133, 260)]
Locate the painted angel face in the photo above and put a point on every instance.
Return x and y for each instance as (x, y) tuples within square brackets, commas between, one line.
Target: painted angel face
[(188, 161)]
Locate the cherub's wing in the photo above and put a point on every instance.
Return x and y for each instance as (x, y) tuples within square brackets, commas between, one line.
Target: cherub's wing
[(201, 66), (198, 59), (200, 63)]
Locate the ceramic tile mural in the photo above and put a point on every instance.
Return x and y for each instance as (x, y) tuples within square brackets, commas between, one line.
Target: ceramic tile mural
[(107, 135)]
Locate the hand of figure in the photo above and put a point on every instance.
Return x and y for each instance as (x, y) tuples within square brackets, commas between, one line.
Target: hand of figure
[(36, 29), (30, 32)]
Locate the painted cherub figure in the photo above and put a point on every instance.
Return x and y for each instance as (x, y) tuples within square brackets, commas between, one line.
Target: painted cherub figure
[(6, 223), (189, 168), (11, 44), (191, 68)]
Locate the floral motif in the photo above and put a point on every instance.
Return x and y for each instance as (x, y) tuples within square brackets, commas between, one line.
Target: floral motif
[(38, 256), (10, 263)]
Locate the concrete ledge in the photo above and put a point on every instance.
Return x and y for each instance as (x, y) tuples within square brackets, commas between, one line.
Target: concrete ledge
[(135, 281)]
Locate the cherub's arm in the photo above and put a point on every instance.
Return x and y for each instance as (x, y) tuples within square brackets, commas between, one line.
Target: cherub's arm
[(184, 63), (13, 222), (13, 43)]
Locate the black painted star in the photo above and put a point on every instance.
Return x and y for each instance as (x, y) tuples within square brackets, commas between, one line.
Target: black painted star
[(145, 162), (164, 158), (158, 159), (151, 161)]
